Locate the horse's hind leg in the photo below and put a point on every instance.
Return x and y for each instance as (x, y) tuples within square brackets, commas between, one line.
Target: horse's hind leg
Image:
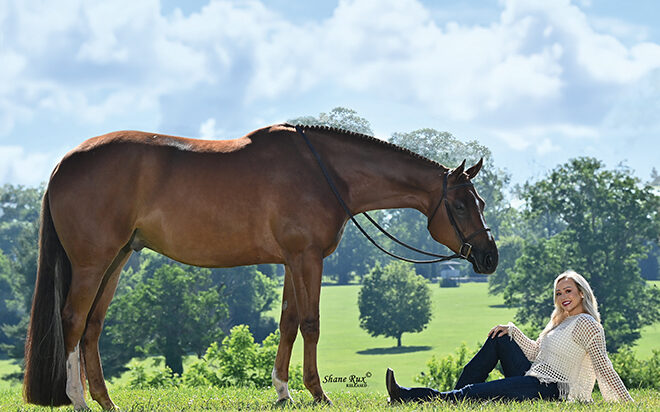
[(86, 280), (288, 332), (90, 341)]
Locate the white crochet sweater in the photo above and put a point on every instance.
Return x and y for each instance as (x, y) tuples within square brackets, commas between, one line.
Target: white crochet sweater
[(573, 355)]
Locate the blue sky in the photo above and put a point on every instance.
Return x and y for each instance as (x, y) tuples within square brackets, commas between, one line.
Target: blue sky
[(538, 82)]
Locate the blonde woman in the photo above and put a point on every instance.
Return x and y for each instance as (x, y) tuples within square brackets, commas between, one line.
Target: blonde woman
[(562, 364)]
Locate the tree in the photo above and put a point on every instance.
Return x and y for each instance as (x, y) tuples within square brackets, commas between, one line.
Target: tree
[(174, 312), (394, 300), (249, 294), (339, 117), (599, 223), (19, 229)]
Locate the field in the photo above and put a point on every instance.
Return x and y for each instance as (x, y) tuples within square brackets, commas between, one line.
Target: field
[(463, 314), (191, 400)]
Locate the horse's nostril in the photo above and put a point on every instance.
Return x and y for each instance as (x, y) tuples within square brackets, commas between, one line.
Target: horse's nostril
[(488, 261)]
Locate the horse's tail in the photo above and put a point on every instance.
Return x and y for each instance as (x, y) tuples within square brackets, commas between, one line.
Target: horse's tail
[(45, 358)]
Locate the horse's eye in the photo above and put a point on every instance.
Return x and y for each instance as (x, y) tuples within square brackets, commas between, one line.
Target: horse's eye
[(459, 206)]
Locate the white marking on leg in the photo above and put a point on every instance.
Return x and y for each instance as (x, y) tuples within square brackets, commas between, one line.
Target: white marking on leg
[(74, 388), (281, 387)]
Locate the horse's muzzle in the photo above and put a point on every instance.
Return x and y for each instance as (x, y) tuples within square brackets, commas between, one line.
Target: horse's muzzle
[(484, 261)]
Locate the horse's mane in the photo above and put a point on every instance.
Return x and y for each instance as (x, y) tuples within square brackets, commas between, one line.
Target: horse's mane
[(369, 139)]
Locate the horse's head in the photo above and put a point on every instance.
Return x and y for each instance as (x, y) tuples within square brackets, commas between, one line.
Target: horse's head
[(456, 219)]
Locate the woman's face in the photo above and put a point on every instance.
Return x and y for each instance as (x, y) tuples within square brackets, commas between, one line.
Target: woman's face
[(569, 297)]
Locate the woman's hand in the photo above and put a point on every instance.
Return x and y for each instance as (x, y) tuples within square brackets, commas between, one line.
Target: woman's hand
[(499, 330)]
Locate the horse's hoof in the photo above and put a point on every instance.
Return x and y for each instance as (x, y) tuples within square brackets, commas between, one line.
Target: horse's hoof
[(323, 400), (284, 402)]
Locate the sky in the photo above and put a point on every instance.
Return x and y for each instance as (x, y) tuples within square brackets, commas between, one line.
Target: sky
[(538, 82)]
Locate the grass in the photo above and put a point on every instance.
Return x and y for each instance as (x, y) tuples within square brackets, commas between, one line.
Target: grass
[(8, 366), (463, 314), (186, 399), (650, 339)]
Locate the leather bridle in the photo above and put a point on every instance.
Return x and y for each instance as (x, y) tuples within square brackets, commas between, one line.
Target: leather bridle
[(466, 248)]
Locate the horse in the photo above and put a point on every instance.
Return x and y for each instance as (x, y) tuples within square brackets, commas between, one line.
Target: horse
[(261, 198)]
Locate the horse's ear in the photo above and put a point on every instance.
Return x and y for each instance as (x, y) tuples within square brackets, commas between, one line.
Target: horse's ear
[(472, 172), (459, 170)]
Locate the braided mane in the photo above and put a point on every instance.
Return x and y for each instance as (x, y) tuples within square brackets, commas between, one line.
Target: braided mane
[(370, 139)]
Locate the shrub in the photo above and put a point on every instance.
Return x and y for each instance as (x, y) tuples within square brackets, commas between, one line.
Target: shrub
[(443, 373), (160, 376), (239, 361), (636, 373)]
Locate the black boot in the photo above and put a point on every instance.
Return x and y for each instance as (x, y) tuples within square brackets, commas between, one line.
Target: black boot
[(392, 387)]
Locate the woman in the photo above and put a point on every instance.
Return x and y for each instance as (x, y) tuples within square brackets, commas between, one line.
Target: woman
[(563, 363)]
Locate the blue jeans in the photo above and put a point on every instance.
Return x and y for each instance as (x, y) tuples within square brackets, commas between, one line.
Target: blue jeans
[(472, 382)]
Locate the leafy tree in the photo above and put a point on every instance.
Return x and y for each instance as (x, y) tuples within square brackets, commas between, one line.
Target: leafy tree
[(649, 266), (19, 209), (19, 228), (599, 223), (509, 248), (394, 300), (249, 294), (339, 117), (7, 316), (655, 178), (174, 312)]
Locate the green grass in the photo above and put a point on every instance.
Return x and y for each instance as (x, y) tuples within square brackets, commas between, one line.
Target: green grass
[(8, 366), (650, 339), (463, 314), (186, 399)]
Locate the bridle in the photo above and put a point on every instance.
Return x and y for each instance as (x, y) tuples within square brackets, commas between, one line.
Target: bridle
[(465, 249), (464, 240)]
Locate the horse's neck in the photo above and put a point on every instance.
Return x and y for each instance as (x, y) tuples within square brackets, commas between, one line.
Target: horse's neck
[(380, 177)]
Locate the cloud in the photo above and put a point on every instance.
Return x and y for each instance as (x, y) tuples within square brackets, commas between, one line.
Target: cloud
[(22, 168), (208, 130), (545, 137), (537, 70)]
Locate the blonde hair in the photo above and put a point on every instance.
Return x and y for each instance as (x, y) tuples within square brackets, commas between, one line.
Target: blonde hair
[(588, 301)]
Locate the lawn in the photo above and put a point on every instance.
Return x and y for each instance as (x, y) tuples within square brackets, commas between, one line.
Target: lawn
[(190, 400), (463, 314)]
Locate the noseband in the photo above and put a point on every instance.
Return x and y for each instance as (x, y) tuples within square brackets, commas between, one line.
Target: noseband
[(466, 248), (464, 251)]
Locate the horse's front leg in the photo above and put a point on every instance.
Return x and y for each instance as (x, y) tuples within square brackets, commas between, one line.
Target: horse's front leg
[(288, 332), (306, 271)]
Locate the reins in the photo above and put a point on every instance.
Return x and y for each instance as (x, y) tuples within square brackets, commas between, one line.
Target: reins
[(463, 253)]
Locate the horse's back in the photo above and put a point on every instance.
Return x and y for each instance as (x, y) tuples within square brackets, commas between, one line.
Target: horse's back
[(209, 203)]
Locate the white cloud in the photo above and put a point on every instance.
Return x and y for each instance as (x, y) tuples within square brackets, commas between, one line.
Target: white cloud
[(544, 138), (208, 130), (392, 49), (537, 71), (19, 167)]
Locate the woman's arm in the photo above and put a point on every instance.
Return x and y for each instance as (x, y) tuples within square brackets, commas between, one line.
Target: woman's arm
[(529, 347), (589, 333)]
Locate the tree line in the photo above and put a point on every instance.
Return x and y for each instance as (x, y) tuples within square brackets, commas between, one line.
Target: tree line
[(603, 223)]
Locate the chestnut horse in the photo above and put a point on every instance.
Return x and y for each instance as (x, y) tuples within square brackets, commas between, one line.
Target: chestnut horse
[(258, 199)]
